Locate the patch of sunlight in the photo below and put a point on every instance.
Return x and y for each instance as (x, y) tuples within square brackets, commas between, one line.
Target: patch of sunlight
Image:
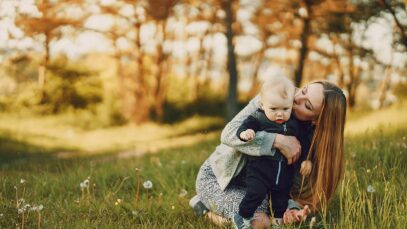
[(51, 132), (388, 118)]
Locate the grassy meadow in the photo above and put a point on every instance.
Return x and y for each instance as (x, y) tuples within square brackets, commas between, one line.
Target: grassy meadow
[(96, 178)]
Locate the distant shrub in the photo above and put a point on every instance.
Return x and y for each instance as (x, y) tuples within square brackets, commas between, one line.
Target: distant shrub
[(400, 90), (71, 87)]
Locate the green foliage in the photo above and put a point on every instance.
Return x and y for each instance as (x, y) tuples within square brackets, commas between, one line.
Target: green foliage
[(71, 87), (186, 97)]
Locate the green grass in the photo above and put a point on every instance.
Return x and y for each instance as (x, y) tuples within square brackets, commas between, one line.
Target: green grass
[(374, 157)]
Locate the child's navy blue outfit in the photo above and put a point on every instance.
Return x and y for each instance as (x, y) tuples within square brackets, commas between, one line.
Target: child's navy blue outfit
[(268, 174)]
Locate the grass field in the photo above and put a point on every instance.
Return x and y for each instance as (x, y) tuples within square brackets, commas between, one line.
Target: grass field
[(45, 161)]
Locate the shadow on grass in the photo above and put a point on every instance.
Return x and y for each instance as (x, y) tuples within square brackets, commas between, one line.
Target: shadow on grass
[(17, 155)]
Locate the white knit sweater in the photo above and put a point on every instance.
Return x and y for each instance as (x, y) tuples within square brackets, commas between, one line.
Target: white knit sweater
[(227, 160)]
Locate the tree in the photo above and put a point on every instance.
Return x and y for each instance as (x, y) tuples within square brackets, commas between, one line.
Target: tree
[(231, 107), (45, 26), (160, 10), (401, 28)]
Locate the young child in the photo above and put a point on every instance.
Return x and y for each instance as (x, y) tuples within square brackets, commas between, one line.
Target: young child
[(269, 174)]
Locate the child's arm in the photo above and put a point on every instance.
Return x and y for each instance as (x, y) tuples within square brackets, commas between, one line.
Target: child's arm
[(247, 131), (261, 145)]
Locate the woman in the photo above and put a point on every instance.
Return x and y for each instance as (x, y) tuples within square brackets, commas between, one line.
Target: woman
[(321, 108)]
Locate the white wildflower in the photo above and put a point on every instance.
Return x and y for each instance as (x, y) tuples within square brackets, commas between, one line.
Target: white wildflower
[(1, 214), (22, 181), (86, 181), (370, 189), (26, 207), (37, 208), (20, 210), (183, 193), (84, 184), (148, 184), (183, 162), (368, 170)]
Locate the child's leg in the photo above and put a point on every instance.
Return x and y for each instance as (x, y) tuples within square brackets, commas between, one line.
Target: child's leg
[(279, 201), (256, 192)]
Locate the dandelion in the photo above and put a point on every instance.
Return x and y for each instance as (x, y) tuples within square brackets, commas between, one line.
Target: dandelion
[(137, 189), (21, 211), (371, 189), (37, 208), (82, 185), (148, 184), (183, 193)]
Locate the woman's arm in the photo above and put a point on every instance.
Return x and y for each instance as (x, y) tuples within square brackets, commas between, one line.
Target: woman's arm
[(260, 145), (264, 143)]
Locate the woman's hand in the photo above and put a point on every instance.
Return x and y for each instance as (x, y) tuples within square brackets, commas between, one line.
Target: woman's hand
[(289, 146), (295, 216)]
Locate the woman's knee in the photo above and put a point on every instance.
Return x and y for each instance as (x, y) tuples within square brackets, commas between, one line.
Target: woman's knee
[(261, 220)]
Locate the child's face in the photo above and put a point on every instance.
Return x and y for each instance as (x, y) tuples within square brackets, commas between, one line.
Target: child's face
[(276, 108)]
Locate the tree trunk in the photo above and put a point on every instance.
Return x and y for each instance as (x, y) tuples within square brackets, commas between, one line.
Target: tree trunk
[(231, 107), (159, 92), (140, 111), (352, 71), (384, 85), (304, 46), (42, 70), (254, 89)]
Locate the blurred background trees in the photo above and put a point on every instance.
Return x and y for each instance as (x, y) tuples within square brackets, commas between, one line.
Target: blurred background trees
[(165, 60)]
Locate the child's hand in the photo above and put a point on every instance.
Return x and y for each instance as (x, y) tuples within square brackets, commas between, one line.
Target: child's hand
[(306, 167), (247, 135)]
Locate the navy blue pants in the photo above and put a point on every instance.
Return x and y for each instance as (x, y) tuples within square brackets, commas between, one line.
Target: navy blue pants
[(266, 176)]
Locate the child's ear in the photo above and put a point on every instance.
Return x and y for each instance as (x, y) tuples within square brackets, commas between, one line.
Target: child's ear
[(261, 106)]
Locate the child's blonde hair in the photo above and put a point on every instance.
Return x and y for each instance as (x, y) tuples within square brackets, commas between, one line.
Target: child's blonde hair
[(278, 85)]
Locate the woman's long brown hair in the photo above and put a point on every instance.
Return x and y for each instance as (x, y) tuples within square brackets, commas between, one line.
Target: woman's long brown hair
[(327, 148)]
